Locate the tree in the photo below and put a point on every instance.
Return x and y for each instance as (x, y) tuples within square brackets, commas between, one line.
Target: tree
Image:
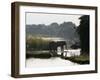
[(83, 31)]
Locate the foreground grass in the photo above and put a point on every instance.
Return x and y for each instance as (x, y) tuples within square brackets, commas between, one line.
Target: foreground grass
[(82, 59)]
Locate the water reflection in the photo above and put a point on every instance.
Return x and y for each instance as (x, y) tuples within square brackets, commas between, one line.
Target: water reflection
[(51, 62)]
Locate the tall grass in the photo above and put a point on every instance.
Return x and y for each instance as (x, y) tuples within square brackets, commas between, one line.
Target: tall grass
[(82, 59), (36, 43)]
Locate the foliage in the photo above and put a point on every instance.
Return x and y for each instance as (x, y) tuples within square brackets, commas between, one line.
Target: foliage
[(82, 59), (83, 31), (36, 43)]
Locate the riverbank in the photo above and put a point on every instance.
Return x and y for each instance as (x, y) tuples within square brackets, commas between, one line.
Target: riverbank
[(37, 54), (82, 59)]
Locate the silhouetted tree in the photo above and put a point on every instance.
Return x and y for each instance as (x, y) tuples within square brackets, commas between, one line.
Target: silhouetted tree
[(83, 31)]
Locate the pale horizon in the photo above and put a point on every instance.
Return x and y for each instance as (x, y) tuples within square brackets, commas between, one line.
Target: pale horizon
[(47, 19)]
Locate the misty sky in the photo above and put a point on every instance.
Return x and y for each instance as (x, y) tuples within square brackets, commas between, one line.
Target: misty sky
[(45, 18)]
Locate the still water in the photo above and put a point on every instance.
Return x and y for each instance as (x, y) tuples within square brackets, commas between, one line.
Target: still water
[(52, 62)]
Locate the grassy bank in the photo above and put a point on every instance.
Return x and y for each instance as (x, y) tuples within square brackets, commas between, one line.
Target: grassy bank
[(82, 59), (36, 43), (39, 54)]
